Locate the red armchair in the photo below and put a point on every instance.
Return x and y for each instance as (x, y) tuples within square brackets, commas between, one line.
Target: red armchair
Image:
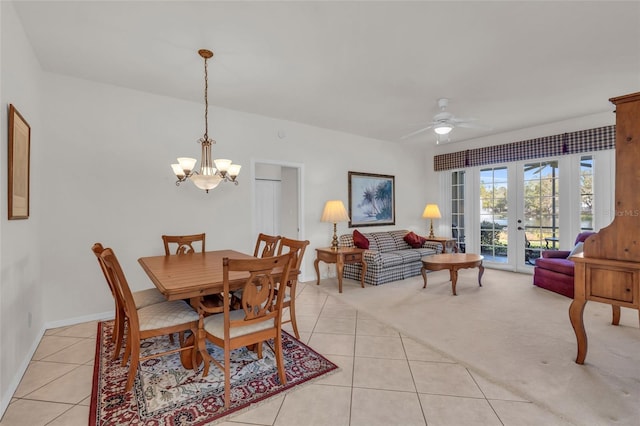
[(554, 271)]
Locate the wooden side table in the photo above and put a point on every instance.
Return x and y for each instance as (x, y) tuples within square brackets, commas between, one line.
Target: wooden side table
[(341, 256), (447, 243)]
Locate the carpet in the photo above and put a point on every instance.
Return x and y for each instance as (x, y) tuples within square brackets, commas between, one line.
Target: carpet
[(518, 336), (164, 393)]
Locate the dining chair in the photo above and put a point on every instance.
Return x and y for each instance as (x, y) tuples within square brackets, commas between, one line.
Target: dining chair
[(266, 245), (158, 319), (141, 299), (184, 243), (258, 320), (297, 249)]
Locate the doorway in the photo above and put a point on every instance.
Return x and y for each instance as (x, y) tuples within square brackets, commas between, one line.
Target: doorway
[(521, 197), (278, 207)]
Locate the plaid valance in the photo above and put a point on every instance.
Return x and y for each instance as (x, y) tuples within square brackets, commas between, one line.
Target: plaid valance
[(596, 139)]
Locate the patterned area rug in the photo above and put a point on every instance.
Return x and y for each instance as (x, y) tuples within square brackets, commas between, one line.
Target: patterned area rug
[(164, 393)]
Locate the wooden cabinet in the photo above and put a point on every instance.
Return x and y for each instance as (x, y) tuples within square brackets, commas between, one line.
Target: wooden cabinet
[(609, 269)]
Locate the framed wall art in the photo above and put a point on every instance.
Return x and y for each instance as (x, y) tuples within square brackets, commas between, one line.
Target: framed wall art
[(371, 199), (18, 160)]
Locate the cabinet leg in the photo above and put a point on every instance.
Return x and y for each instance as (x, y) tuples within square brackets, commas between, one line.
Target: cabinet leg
[(616, 315), (575, 315)]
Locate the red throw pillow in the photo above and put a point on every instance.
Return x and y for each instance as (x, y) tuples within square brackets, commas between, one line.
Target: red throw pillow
[(414, 240), (360, 240)]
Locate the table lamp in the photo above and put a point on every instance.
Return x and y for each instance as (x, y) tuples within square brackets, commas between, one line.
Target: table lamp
[(334, 212), (431, 211)]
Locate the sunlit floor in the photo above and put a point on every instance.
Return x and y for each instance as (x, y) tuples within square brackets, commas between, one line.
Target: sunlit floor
[(385, 379)]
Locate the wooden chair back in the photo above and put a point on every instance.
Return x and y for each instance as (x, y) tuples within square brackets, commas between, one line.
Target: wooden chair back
[(260, 300), (297, 249), (97, 249), (121, 286), (257, 321), (266, 245), (184, 243), (118, 328)]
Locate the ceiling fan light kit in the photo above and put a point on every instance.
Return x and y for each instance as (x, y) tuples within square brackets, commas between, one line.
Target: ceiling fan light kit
[(442, 128)]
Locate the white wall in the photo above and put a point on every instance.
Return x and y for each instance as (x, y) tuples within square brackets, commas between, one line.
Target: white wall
[(21, 289), (108, 179)]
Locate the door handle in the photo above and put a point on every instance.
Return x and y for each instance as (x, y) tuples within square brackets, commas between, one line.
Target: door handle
[(520, 228)]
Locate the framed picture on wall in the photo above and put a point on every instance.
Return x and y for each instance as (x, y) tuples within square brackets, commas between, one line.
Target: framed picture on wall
[(18, 160), (371, 199)]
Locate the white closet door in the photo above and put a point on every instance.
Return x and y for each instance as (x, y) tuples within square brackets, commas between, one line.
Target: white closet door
[(268, 206)]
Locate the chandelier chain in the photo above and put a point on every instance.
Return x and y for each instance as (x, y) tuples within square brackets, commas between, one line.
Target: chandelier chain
[(206, 101)]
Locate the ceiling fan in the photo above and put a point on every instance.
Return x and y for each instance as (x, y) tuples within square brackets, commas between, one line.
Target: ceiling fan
[(444, 122)]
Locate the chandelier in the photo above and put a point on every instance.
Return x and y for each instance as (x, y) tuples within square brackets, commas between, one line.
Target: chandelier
[(209, 176)]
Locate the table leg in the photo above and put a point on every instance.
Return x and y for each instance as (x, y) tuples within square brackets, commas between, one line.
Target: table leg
[(364, 272), (339, 268), (480, 272), (315, 265), (423, 271), (186, 356), (575, 315), (454, 279)]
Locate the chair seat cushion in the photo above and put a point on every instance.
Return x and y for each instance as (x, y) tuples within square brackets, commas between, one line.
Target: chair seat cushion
[(166, 314), (562, 266), (148, 297), (214, 325)]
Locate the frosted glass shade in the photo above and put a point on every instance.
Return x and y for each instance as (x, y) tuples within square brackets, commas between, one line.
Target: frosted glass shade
[(234, 170), (206, 182), (443, 128), (187, 164), (178, 171), (222, 164)]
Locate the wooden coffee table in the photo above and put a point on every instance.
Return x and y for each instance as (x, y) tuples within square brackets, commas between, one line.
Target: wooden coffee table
[(452, 262)]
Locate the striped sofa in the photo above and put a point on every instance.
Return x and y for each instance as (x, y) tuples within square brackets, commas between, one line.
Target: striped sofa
[(389, 257)]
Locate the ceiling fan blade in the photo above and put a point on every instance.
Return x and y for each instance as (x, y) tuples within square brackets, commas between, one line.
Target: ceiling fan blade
[(417, 132), (457, 120), (470, 125)]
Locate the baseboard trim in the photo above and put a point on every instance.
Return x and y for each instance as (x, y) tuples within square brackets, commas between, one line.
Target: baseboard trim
[(15, 382), (77, 320)]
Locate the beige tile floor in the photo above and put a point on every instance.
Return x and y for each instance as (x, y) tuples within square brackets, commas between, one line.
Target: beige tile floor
[(385, 378)]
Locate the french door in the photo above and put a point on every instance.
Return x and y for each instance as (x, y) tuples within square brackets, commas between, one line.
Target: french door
[(519, 212)]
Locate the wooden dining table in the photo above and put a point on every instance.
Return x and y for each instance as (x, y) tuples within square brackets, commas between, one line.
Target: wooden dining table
[(193, 275), (190, 277)]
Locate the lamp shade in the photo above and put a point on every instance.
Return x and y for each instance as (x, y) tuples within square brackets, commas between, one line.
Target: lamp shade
[(334, 212), (431, 211)]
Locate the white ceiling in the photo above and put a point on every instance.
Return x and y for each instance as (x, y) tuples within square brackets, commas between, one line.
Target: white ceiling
[(373, 68)]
